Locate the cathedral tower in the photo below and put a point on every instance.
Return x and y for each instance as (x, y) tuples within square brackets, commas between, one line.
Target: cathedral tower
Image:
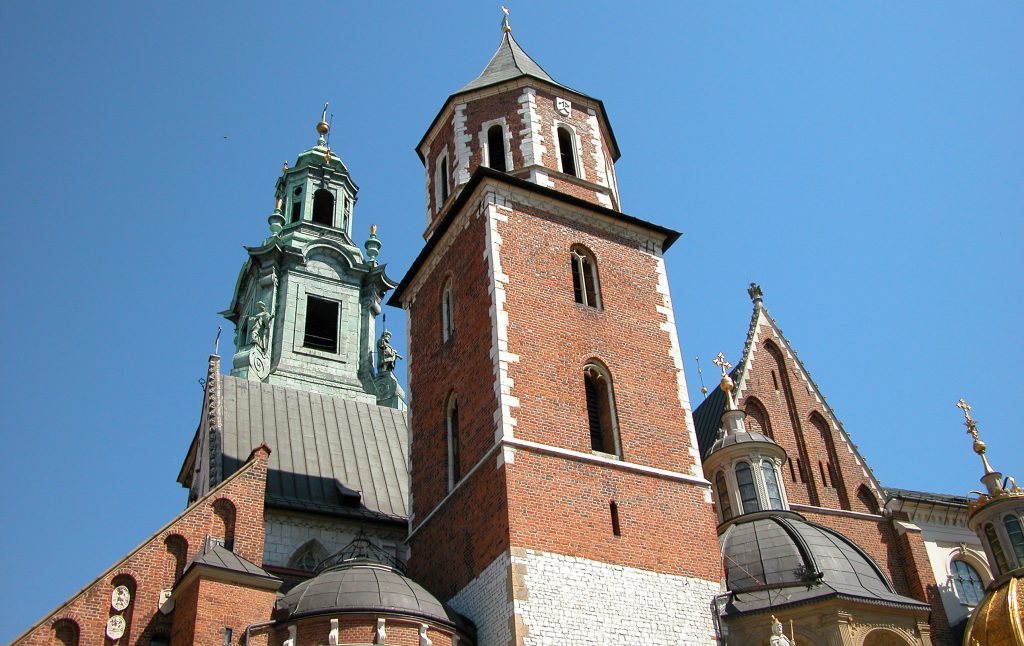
[(306, 301), (553, 451)]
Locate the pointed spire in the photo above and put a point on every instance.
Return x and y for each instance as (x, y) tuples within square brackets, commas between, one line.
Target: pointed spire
[(509, 62)]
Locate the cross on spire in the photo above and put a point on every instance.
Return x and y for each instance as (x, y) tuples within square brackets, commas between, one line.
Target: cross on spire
[(966, 408), (722, 363)]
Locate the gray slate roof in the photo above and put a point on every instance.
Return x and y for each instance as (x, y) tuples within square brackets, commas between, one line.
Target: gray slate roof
[(509, 62), (362, 587), (328, 454), (224, 559), (707, 418), (777, 558)]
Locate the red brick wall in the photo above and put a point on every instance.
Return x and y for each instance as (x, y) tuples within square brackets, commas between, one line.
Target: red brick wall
[(213, 606), (152, 566)]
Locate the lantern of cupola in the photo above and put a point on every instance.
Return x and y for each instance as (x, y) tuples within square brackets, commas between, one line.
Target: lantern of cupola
[(744, 467), (516, 119)]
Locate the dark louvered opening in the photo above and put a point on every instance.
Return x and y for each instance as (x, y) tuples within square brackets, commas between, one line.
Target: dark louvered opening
[(321, 324), (496, 148)]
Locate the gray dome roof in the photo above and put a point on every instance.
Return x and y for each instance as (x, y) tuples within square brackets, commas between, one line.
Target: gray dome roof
[(739, 438), (776, 558), (362, 586)]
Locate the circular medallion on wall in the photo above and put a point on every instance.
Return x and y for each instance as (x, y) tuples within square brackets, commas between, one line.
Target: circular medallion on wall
[(120, 598), (115, 627)]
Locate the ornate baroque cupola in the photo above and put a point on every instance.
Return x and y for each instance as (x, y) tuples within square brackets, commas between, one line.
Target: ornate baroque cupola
[(305, 303), (744, 467), (515, 118), (997, 516)]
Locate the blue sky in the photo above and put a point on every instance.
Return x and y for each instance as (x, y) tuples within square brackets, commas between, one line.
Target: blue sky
[(861, 161)]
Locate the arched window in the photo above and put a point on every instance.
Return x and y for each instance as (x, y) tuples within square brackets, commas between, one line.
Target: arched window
[(177, 555), (757, 417), (600, 409), (447, 320), (452, 427), (123, 587), (867, 499), (1013, 530), (224, 525), (441, 180), (748, 493), (771, 485), (723, 496), (309, 555), (567, 150), (496, 148), (967, 583), (65, 632), (585, 286), (996, 548), (296, 204), (323, 207)]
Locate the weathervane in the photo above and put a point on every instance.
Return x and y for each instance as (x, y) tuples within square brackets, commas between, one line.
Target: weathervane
[(505, 27)]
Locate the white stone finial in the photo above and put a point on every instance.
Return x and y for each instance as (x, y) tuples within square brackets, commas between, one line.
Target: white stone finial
[(424, 640)]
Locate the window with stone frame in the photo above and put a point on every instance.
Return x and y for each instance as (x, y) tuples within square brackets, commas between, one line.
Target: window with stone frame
[(496, 148), (321, 328), (323, 207), (600, 401), (723, 496), (771, 484), (748, 491), (966, 582), (1016, 536), (567, 151), (453, 441), (440, 181), (447, 312), (996, 548), (585, 285)]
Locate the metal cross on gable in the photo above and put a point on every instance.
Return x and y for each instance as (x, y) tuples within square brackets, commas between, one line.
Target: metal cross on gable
[(722, 363)]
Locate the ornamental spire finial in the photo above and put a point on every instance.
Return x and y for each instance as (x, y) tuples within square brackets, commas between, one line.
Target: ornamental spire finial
[(323, 127), (972, 430), (726, 383), (505, 27)]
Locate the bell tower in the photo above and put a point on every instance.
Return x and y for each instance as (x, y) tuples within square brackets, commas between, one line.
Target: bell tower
[(552, 447), (306, 301)]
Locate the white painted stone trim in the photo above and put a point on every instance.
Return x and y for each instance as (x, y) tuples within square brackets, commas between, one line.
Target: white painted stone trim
[(595, 139), (462, 139), (506, 134), (497, 279), (487, 601), (532, 139)]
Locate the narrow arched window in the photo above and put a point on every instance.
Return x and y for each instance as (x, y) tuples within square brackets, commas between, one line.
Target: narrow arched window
[(447, 318), (177, 555), (224, 525), (723, 496), (296, 204), (452, 424), (567, 150), (996, 548), (496, 148), (748, 492), (771, 485), (323, 207), (967, 583), (1013, 530), (441, 180), (585, 286), (600, 409)]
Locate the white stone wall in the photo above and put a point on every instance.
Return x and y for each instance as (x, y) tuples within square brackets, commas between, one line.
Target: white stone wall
[(943, 544), (486, 602), (287, 531), (573, 600)]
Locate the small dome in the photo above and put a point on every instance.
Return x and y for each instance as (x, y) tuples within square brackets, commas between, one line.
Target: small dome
[(993, 621), (777, 557), (362, 586), (739, 438)]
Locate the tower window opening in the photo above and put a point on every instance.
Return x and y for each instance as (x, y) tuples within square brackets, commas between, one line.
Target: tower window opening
[(452, 424), (441, 180), (996, 548), (723, 496), (323, 207), (1013, 530), (748, 492), (567, 151), (614, 510), (296, 211), (775, 380), (65, 632), (967, 583), (586, 289), (600, 410), (321, 332), (447, 320), (496, 148), (771, 485)]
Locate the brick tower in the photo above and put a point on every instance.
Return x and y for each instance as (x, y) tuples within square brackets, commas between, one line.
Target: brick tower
[(557, 491)]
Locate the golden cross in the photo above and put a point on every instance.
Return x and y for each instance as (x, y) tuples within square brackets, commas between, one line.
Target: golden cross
[(722, 363), (965, 407)]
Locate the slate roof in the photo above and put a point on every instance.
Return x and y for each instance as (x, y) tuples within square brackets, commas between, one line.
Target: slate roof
[(224, 559), (509, 62), (707, 418), (328, 454), (778, 558), (926, 496)]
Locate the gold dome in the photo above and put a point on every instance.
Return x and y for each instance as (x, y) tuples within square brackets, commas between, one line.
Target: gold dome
[(999, 618)]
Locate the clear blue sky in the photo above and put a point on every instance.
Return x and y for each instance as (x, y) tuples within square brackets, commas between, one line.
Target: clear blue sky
[(862, 161)]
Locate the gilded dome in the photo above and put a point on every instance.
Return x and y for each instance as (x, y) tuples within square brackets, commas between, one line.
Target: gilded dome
[(999, 618)]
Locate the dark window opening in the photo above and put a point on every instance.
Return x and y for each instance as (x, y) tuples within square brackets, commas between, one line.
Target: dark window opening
[(496, 148), (614, 509), (567, 151), (821, 469), (1016, 534), (771, 485), (323, 207), (443, 175), (227, 636), (447, 322), (599, 410), (65, 632), (1002, 566), (321, 324), (748, 492), (723, 496), (968, 583), (454, 472), (296, 211), (775, 380), (584, 278)]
